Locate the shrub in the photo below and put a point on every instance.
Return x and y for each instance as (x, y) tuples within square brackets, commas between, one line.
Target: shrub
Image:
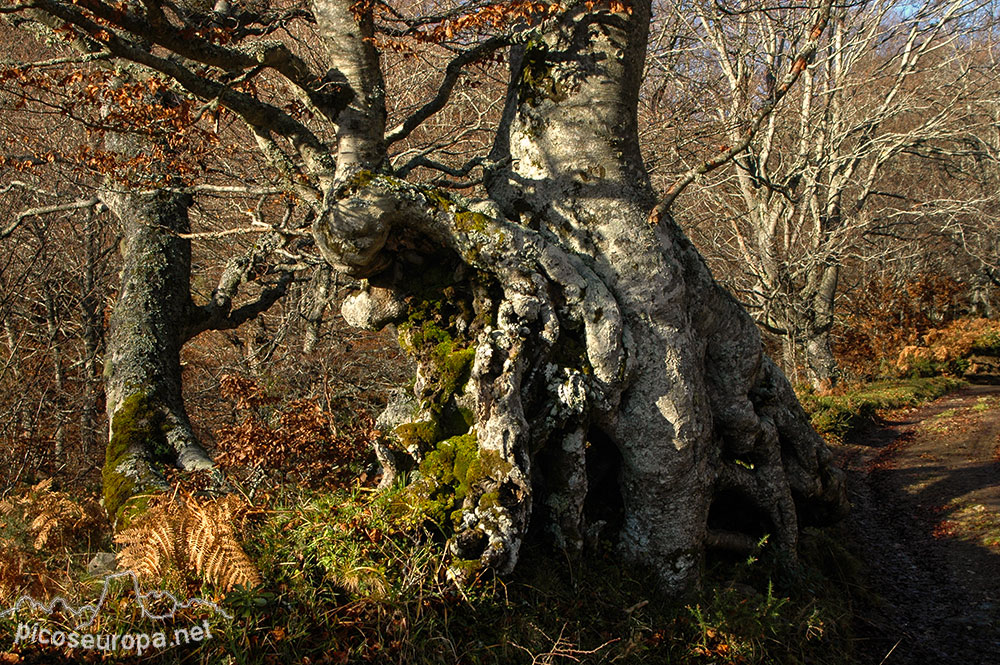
[(885, 315), (947, 350)]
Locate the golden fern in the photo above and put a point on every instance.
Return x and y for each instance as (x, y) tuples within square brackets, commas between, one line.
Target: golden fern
[(54, 516), (192, 536), (212, 548), (150, 544)]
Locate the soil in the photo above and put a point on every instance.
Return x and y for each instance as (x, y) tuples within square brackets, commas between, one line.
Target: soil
[(925, 489)]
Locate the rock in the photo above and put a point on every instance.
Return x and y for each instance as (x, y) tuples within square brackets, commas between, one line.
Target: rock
[(402, 408), (372, 309), (103, 563)]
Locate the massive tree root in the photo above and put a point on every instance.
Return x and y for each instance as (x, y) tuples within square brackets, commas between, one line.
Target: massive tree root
[(546, 399)]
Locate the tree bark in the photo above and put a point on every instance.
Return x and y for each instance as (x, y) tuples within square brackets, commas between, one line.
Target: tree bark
[(572, 356), (92, 331), (58, 402), (823, 371), (149, 426)]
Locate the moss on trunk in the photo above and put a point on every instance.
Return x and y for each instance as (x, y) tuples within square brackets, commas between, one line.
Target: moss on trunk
[(134, 456)]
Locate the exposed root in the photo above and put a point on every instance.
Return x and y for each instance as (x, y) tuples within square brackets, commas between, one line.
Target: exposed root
[(553, 357)]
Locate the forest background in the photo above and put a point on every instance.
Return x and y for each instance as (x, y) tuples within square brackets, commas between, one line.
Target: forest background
[(852, 213)]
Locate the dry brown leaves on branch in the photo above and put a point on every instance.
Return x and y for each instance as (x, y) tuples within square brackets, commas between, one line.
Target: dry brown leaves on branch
[(484, 19), (176, 145), (298, 437), (193, 536)]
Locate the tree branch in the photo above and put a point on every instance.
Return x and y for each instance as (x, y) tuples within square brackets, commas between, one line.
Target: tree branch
[(218, 314), (54, 62), (452, 72), (271, 54), (254, 112), (45, 210), (799, 65)]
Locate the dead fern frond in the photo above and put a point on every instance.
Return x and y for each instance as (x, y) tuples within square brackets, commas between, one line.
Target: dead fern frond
[(20, 572), (54, 517), (197, 537), (11, 571), (212, 548), (151, 542)]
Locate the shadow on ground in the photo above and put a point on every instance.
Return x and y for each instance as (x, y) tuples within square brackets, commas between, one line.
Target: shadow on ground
[(925, 486)]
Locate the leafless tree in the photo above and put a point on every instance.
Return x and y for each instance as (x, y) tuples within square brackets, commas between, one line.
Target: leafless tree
[(889, 80)]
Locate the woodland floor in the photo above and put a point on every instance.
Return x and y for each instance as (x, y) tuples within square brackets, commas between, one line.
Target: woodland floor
[(925, 489)]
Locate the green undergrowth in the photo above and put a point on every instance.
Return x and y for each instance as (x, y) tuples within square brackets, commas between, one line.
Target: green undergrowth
[(346, 582), (837, 415)]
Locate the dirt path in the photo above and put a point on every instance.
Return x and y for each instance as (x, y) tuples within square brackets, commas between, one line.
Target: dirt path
[(925, 486)]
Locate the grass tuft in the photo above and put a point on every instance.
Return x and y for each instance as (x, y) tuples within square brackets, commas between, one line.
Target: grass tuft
[(345, 581)]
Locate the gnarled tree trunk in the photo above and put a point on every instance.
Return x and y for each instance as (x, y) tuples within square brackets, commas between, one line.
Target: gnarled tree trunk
[(579, 369), (580, 372)]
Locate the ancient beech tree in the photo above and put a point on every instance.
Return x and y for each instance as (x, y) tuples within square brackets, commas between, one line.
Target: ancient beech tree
[(580, 372)]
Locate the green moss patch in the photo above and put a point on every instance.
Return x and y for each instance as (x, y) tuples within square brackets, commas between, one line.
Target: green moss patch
[(469, 221), (138, 439), (438, 198), (454, 367), (444, 481), (420, 435), (414, 337), (455, 470), (429, 336)]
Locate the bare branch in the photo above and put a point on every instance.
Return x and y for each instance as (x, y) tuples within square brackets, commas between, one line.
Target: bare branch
[(55, 62), (452, 73), (799, 65), (254, 112), (46, 210), (218, 313), (225, 189)]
